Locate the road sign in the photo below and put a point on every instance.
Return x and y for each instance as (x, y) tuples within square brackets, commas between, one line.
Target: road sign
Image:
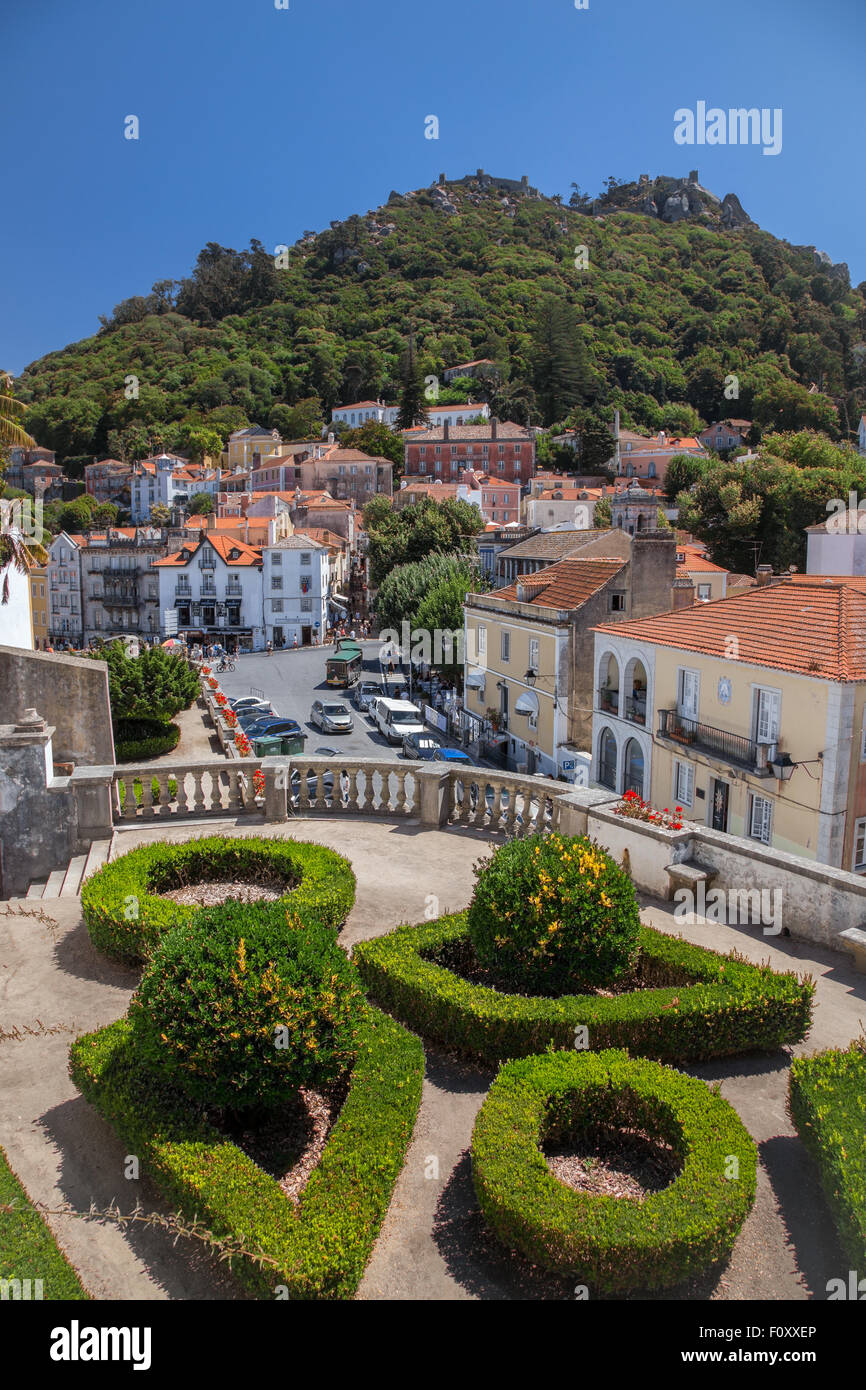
[(568, 766), (169, 622)]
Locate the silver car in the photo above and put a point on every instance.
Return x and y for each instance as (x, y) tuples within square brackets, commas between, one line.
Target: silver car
[(331, 717)]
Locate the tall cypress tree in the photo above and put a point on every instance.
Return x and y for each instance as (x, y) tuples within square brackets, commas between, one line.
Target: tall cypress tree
[(560, 368), (413, 403)]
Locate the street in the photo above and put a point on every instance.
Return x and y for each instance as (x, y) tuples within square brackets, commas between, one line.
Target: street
[(292, 680)]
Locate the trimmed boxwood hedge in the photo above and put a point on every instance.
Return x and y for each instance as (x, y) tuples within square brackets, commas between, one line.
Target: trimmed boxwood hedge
[(827, 1095), (316, 1251), (138, 739), (613, 1244), (126, 918), (28, 1249), (716, 1007)]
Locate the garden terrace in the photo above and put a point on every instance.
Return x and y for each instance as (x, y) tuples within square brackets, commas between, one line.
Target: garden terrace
[(433, 1243)]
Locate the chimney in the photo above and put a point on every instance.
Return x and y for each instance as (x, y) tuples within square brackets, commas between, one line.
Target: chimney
[(446, 427), (682, 594), (494, 425), (764, 575)]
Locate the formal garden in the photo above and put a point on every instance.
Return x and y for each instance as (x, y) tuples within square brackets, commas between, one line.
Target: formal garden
[(269, 1083)]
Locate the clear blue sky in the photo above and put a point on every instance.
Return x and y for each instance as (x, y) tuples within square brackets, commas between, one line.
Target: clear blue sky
[(263, 122)]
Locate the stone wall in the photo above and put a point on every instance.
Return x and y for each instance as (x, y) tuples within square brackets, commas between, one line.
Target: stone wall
[(69, 692), (38, 816)]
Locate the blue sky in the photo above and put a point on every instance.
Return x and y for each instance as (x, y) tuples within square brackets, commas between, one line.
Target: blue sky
[(263, 122)]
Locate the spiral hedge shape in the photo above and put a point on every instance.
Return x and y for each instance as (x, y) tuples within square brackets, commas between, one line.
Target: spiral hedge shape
[(614, 1245)]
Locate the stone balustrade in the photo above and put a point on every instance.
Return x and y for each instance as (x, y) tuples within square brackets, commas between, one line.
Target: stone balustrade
[(176, 791)]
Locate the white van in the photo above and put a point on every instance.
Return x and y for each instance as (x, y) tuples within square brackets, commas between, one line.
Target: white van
[(395, 719)]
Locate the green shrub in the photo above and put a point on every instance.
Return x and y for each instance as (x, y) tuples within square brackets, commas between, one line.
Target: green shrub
[(828, 1104), (554, 912), (241, 1009), (318, 1251), (613, 1244), (126, 918), (699, 1004), (138, 790), (155, 684), (28, 1249), (138, 739)]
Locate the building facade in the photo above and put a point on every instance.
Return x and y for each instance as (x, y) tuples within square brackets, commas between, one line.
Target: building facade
[(214, 586), (295, 591), (498, 449), (65, 605)]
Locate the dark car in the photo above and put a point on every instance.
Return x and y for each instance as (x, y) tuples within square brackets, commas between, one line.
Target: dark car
[(272, 726), (421, 747)]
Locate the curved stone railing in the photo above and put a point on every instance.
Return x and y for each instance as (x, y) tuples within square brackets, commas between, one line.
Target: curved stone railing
[(279, 788)]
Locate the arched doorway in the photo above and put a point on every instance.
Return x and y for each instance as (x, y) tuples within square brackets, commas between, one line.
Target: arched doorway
[(633, 767), (607, 760)]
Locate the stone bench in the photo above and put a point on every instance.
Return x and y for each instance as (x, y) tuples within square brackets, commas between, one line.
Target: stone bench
[(688, 874), (855, 941)]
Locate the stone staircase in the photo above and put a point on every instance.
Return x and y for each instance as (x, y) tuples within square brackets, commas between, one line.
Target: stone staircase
[(66, 882)]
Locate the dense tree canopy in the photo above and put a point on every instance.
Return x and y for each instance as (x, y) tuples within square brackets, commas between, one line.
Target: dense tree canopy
[(400, 537), (657, 325)]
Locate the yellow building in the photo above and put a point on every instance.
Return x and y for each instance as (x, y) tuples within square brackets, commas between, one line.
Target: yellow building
[(747, 712), (39, 607)]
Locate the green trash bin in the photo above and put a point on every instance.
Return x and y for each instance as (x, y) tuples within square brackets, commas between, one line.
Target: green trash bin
[(278, 746)]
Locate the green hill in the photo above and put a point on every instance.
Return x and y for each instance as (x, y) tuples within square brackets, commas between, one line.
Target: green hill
[(667, 310)]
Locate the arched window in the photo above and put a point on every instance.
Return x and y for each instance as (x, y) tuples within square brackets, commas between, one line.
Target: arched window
[(607, 760), (633, 767)]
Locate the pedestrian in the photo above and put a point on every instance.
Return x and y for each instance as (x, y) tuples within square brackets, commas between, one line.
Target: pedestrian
[(295, 642), (270, 647)]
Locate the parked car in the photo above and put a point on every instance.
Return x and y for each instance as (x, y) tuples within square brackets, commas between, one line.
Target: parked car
[(366, 694), (331, 717), (396, 719), (454, 755), (245, 702), (421, 747), (262, 709), (272, 725)]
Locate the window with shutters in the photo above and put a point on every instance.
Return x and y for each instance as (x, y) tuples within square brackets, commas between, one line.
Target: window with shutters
[(859, 863), (482, 641), (684, 784), (533, 653), (505, 646), (761, 819), (767, 708), (689, 694)]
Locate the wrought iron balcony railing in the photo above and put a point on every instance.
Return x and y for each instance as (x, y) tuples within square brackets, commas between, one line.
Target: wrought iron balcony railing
[(732, 748)]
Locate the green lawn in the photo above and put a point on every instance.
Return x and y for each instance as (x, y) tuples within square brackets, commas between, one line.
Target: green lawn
[(28, 1250)]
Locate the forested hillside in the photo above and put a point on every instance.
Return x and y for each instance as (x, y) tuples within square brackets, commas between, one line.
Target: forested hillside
[(651, 317)]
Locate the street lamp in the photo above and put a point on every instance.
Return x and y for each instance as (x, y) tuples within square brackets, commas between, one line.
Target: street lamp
[(781, 766), (531, 676)]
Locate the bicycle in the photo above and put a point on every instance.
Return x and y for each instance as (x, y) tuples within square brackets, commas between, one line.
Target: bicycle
[(227, 664)]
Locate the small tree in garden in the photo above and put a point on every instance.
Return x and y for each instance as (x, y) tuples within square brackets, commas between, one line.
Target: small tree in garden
[(154, 685), (240, 1008), (554, 913)]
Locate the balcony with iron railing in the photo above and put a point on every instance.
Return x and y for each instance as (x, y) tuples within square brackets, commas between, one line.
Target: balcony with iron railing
[(720, 743)]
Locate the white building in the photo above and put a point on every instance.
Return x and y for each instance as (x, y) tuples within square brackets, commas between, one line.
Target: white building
[(65, 606), (360, 412), (622, 735), (215, 585), (457, 414), (295, 578), (16, 625), (168, 481)]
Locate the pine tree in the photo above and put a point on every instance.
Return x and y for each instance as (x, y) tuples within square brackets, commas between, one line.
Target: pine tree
[(413, 403), (559, 360)]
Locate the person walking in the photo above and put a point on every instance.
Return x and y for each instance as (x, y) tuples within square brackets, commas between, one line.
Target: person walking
[(270, 647)]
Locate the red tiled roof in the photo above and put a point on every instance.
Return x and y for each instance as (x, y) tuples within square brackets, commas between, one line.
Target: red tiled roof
[(694, 559), (815, 628), (223, 545), (567, 584)]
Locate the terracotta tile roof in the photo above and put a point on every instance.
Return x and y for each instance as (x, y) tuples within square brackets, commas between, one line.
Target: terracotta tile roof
[(247, 555), (558, 545), (816, 628), (851, 522), (567, 584), (694, 560), (356, 405), (506, 430), (329, 538)]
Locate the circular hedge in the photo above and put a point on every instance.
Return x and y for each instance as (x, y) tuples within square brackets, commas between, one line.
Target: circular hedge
[(240, 1008), (614, 1245), (126, 917), (554, 912), (138, 739)]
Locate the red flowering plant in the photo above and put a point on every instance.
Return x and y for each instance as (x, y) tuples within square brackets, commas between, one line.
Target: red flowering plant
[(222, 699), (213, 683), (231, 718), (259, 783), (206, 670), (243, 745), (633, 807)]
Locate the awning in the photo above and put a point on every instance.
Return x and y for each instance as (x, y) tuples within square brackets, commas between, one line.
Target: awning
[(475, 680), (527, 703)]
